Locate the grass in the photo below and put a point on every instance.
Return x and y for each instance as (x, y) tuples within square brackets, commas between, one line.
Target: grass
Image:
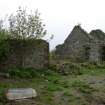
[(56, 89), (82, 87), (94, 71)]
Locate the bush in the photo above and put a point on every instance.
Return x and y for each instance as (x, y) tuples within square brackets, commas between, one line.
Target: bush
[(4, 50), (29, 72)]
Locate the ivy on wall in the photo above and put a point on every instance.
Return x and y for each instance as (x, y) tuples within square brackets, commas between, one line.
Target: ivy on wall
[(4, 50)]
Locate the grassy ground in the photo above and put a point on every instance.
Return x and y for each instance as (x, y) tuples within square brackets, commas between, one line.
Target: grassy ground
[(56, 89)]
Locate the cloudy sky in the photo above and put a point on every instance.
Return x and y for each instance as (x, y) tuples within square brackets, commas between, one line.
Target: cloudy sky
[(60, 16)]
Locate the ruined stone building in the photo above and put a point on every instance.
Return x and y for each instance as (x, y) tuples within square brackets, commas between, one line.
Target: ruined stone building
[(83, 46), (28, 53)]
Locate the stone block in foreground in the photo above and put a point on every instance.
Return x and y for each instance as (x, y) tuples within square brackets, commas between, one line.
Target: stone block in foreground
[(20, 94)]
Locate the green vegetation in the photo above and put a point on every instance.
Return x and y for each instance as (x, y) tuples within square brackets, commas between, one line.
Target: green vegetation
[(4, 50), (23, 25), (29, 73), (54, 88), (82, 87)]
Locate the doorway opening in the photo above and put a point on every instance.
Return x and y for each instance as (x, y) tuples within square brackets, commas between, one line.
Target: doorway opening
[(103, 53), (87, 53)]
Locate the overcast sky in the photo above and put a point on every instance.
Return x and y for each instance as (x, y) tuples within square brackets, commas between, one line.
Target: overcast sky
[(60, 16)]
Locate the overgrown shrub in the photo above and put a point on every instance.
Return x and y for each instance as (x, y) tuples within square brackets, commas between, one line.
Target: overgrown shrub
[(4, 47), (4, 50), (29, 72)]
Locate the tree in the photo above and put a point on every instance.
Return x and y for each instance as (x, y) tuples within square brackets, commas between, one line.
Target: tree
[(24, 25)]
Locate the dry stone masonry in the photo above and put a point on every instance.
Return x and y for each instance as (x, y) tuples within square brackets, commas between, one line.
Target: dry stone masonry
[(81, 46), (28, 53)]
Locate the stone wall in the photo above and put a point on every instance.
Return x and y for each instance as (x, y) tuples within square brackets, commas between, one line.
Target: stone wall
[(81, 46), (97, 53), (26, 53), (94, 53), (73, 47)]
